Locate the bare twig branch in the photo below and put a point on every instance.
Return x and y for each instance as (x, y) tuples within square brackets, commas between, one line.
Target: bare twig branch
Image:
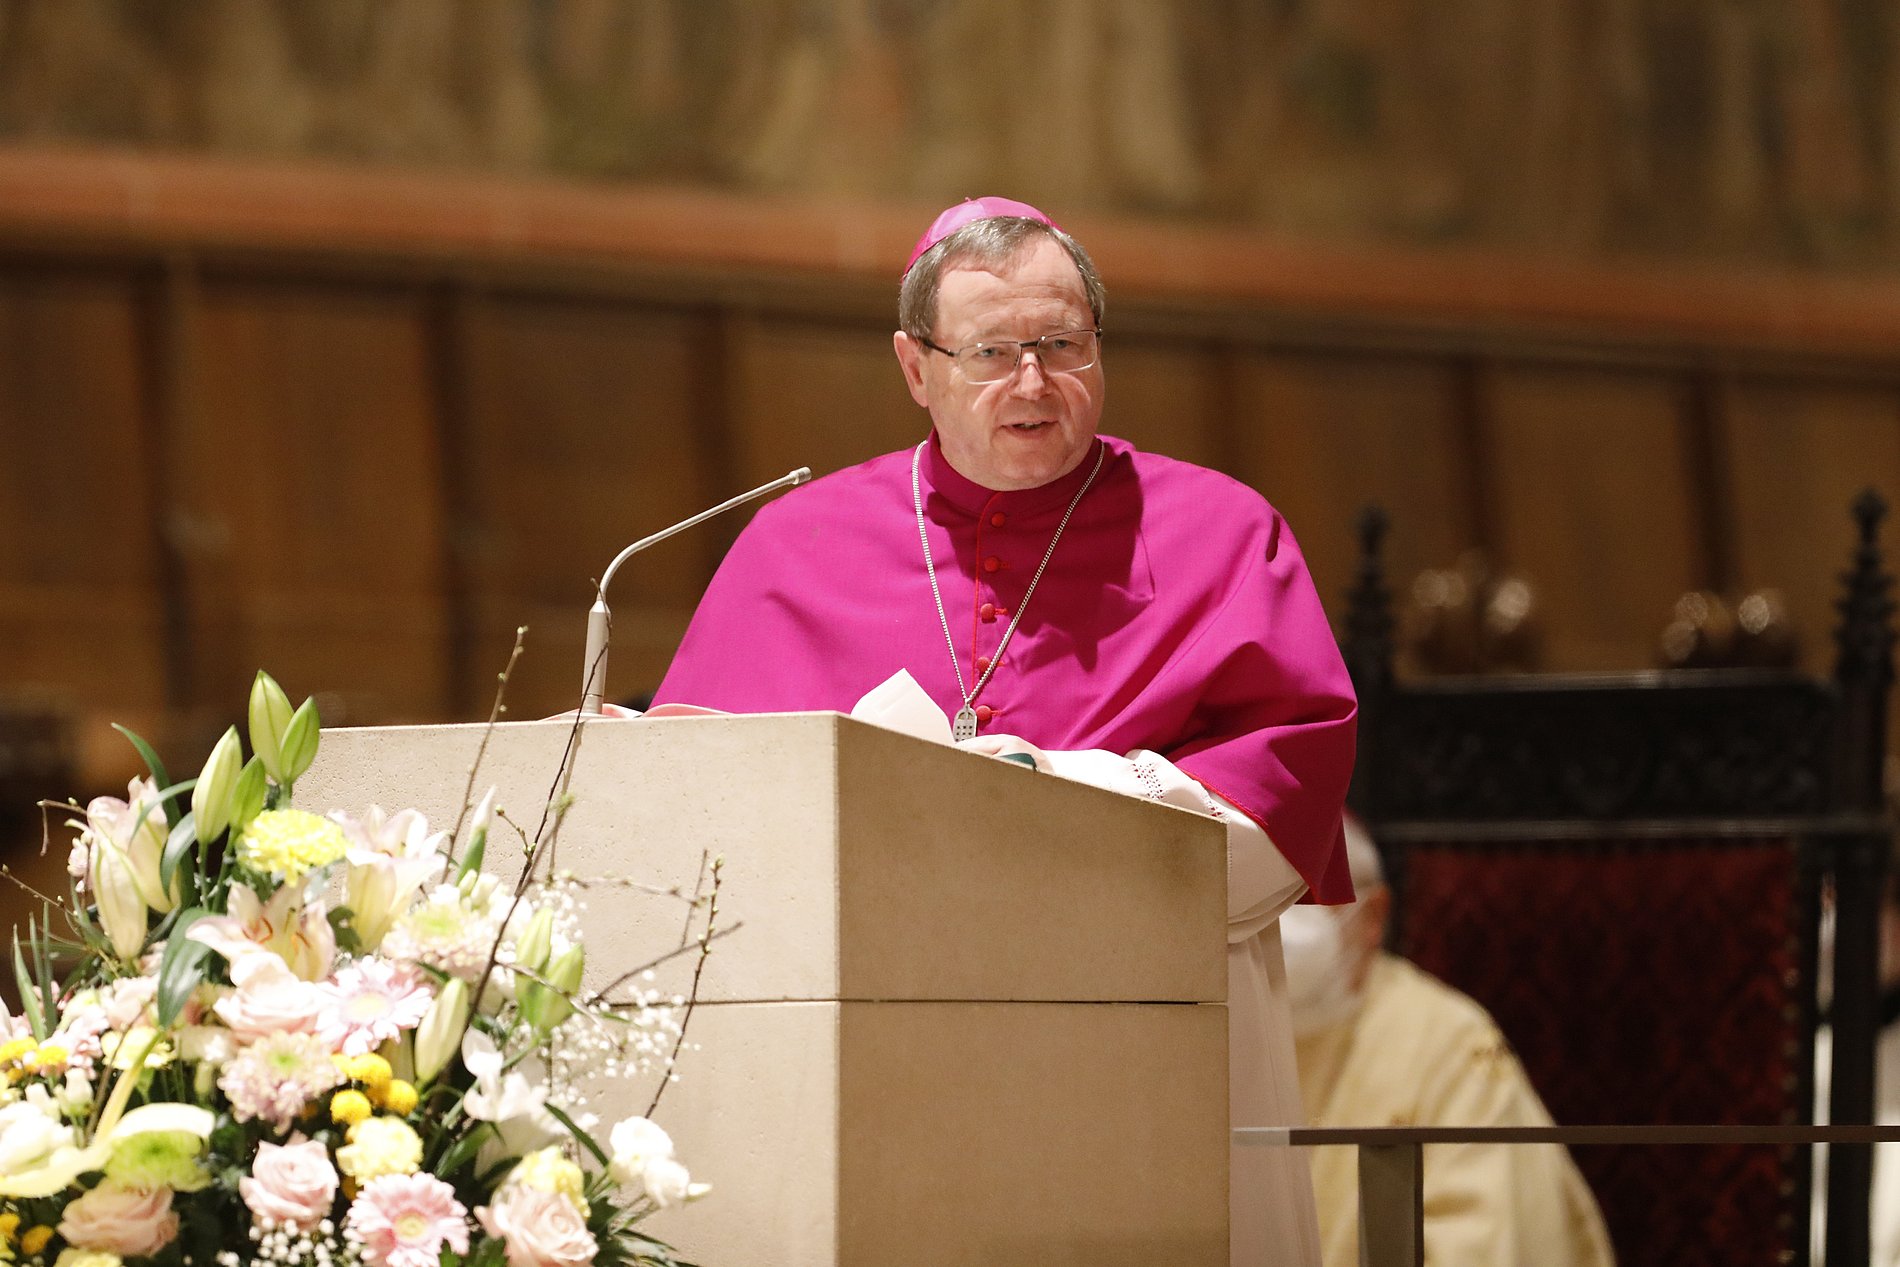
[(691, 947), (494, 718), (692, 995)]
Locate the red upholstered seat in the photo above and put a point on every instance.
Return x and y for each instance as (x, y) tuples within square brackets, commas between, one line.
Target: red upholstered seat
[(1649, 980), (1627, 871)]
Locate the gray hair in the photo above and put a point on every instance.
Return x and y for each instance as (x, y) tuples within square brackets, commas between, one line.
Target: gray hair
[(988, 243)]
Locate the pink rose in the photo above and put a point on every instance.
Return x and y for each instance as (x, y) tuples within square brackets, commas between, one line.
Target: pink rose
[(540, 1229), (269, 999), (126, 1221), (126, 1001), (292, 1184)]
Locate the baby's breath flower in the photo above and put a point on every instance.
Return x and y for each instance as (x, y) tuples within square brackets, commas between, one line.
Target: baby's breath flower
[(290, 843)]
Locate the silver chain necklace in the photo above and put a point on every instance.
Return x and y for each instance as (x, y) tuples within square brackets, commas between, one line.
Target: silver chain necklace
[(965, 727)]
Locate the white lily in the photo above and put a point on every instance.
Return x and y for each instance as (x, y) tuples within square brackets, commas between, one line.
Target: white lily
[(295, 931), (390, 859), (513, 1103)]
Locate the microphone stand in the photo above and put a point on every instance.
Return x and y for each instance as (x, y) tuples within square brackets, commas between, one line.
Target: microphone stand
[(600, 620)]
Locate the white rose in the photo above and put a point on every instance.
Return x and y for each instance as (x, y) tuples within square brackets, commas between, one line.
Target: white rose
[(667, 1182), (636, 1142)]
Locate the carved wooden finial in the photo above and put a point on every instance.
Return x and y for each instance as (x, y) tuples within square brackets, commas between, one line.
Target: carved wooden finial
[(1369, 605), (1865, 635)]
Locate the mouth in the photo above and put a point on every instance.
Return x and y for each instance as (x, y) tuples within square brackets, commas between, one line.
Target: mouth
[(1028, 428)]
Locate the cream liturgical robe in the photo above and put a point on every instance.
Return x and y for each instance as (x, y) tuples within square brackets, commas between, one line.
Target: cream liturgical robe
[(1421, 1054)]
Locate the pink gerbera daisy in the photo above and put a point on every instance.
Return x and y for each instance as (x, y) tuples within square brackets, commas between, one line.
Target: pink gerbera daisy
[(404, 1221), (371, 1002)]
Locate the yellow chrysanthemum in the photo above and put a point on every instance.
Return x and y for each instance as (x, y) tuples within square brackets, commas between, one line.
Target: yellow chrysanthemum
[(73, 1256), (290, 843), (12, 1051), (51, 1054), (371, 1070), (399, 1098), (35, 1239), (545, 1169), (380, 1146), (347, 1108)]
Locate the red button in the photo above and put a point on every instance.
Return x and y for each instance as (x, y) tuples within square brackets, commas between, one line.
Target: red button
[(984, 712), (987, 612), (992, 563), (982, 664), (997, 520)]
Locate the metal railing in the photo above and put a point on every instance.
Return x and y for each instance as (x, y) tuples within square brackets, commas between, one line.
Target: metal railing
[(1392, 1168)]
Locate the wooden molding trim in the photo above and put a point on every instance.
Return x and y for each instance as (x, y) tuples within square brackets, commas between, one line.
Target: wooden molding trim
[(66, 198)]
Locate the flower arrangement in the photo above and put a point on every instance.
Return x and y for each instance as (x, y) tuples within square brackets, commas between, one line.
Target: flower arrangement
[(330, 1041)]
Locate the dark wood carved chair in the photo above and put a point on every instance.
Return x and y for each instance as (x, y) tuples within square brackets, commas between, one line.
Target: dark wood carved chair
[(1628, 871)]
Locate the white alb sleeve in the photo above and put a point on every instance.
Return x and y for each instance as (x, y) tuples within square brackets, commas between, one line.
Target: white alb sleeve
[(1260, 881)]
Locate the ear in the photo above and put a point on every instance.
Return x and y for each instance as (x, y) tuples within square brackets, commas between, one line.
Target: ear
[(910, 358), (1366, 932)]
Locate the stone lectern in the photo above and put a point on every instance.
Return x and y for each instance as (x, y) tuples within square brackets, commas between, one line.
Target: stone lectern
[(971, 1013)]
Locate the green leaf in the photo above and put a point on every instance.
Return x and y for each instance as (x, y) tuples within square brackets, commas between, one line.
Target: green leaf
[(343, 928), (463, 1152), (29, 993), (182, 968), (582, 1137), (153, 764), (177, 845)]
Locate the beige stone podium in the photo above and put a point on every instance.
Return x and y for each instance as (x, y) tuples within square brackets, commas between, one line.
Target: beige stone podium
[(972, 1013)]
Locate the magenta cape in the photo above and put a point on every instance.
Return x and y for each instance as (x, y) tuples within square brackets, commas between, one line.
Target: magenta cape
[(1176, 616)]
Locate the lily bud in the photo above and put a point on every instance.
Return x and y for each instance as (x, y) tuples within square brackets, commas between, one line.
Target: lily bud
[(247, 796), (478, 836), (546, 1006), (122, 906), (269, 717), (299, 745), (536, 941), (440, 1035), (211, 798)]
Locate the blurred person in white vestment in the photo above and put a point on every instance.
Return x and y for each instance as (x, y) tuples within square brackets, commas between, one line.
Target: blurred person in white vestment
[(1381, 1043)]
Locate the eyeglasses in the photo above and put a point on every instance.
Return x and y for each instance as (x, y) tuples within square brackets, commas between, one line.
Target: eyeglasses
[(1066, 352)]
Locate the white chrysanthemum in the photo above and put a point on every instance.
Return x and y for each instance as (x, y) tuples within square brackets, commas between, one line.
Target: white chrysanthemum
[(450, 929)]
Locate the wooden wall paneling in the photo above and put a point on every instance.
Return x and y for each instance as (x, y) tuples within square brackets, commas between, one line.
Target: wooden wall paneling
[(1798, 453), (1593, 471), (818, 394), (80, 572), (1168, 396), (448, 317), (310, 469), (1322, 434), (584, 436)]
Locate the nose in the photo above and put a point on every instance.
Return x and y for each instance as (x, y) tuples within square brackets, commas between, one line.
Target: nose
[(1030, 378)]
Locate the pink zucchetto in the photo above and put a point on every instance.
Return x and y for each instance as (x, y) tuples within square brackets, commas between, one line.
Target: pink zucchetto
[(969, 211)]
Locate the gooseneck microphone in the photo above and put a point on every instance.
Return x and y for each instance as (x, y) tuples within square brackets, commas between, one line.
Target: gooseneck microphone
[(599, 619)]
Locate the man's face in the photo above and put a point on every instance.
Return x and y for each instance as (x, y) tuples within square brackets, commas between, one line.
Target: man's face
[(1034, 426)]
